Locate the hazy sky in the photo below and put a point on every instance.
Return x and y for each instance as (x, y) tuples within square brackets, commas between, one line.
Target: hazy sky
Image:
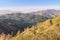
[(29, 4)]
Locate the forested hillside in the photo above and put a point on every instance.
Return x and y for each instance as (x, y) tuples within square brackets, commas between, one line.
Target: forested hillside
[(47, 30), (11, 23)]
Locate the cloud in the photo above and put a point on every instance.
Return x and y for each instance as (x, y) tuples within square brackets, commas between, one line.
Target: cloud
[(30, 8)]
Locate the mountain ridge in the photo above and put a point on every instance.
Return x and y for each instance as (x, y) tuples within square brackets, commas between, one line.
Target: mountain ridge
[(46, 13)]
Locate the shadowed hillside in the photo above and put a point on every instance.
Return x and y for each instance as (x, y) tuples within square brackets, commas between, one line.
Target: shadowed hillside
[(11, 23), (48, 30)]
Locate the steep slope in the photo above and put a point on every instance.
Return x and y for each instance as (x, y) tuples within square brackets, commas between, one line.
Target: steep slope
[(48, 30)]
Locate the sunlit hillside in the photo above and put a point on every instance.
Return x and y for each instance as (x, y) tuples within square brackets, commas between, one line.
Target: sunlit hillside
[(48, 30)]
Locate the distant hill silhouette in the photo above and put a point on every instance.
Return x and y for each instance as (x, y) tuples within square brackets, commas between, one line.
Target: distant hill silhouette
[(11, 23)]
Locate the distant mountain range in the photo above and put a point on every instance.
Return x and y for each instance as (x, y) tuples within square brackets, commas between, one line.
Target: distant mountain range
[(46, 13), (12, 21)]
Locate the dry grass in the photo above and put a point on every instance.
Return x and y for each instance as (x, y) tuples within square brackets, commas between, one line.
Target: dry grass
[(42, 31)]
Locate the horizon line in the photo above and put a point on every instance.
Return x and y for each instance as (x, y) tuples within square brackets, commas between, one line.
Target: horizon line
[(30, 8)]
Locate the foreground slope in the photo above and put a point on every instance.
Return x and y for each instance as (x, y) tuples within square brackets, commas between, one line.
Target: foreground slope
[(48, 30)]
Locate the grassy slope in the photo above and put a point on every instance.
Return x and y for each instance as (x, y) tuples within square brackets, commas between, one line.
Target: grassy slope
[(48, 30)]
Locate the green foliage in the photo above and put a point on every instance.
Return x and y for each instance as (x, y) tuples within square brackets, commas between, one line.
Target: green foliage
[(11, 23)]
